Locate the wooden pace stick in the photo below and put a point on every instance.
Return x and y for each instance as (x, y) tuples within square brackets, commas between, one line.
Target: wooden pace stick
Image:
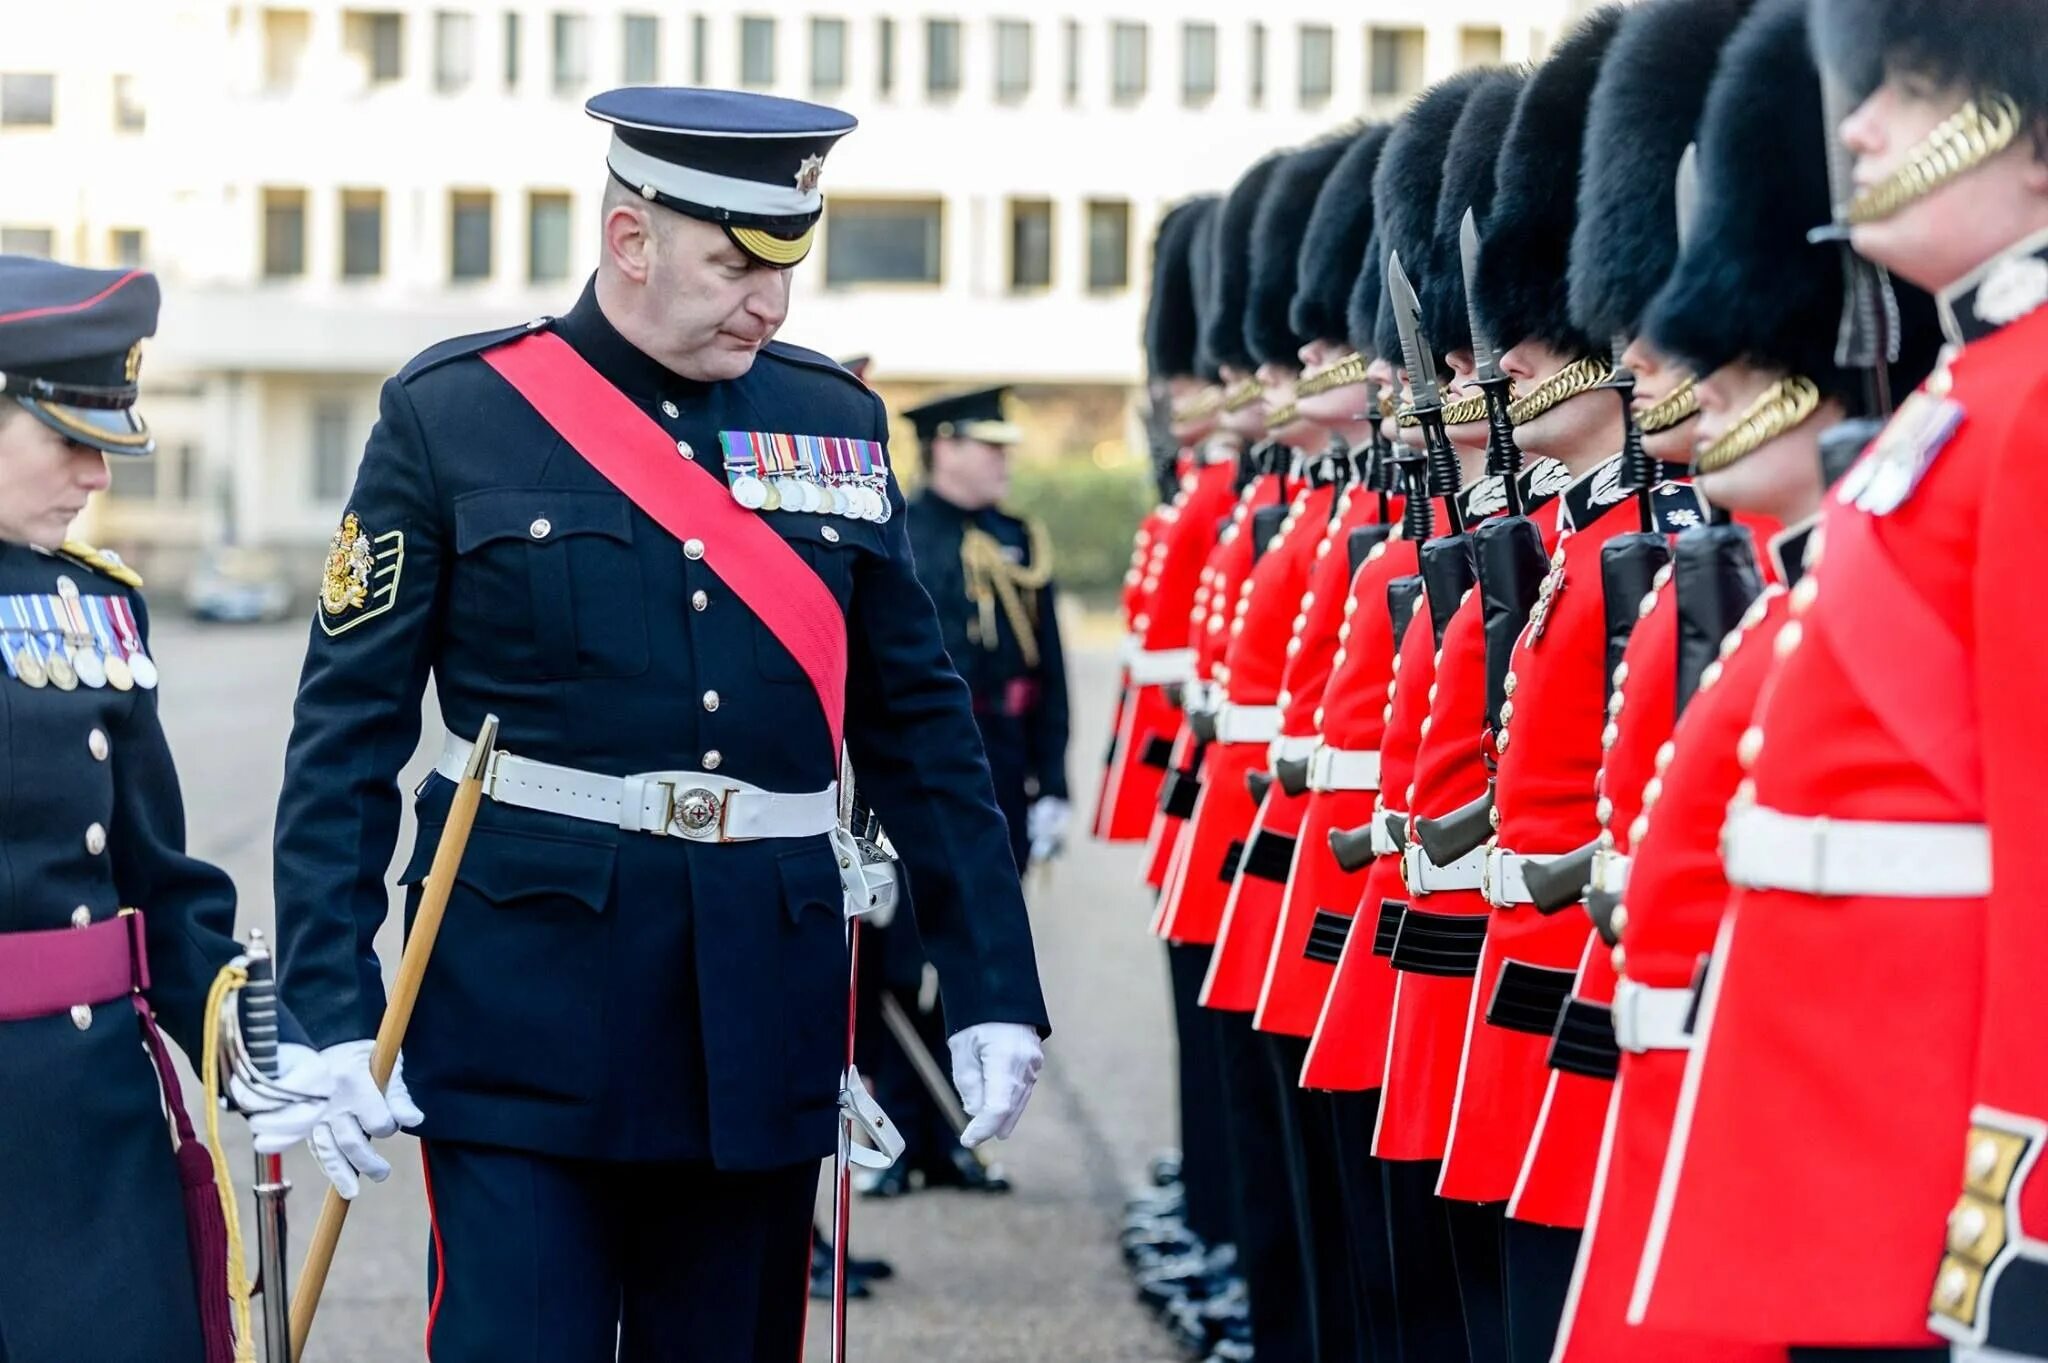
[(412, 968)]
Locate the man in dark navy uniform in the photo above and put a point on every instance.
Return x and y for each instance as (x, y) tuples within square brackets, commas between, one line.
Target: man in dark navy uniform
[(990, 575), (668, 552), (107, 925)]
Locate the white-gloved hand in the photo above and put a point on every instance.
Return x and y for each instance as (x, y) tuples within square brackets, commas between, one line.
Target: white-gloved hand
[(279, 1122), (1046, 823), (995, 1065), (355, 1113)]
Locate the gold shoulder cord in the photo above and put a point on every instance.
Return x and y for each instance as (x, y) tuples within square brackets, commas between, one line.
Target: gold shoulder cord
[(221, 996), (993, 579), (1961, 142)]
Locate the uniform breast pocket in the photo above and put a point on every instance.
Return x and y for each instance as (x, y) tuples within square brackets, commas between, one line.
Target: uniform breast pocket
[(551, 582), (832, 551)]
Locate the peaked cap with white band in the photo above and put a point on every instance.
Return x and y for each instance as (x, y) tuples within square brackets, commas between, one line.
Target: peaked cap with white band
[(748, 162)]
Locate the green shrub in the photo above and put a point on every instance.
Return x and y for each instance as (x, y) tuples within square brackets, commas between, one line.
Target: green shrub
[(1090, 514)]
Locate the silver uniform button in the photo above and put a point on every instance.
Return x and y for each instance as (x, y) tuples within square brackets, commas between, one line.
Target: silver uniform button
[(711, 700), (712, 759), (686, 449), (95, 839), (81, 1016), (693, 548), (669, 409), (698, 601), (540, 528), (96, 744), (831, 534), (81, 917)]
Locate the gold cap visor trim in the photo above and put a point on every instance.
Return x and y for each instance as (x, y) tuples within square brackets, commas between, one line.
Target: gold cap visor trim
[(769, 249)]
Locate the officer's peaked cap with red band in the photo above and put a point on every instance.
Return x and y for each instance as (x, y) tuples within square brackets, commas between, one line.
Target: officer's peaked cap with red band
[(70, 346)]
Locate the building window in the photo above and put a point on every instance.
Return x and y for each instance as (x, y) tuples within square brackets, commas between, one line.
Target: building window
[(1013, 59), (28, 241), (1070, 43), (1197, 63), (1477, 46), (284, 233), (454, 51), (334, 463), (27, 100), (1127, 62), (362, 233), (641, 64), (883, 241), (885, 46), (376, 38), (1109, 243), (1030, 243), (469, 234), (1395, 56), (133, 480), (1257, 48), (129, 116), (1318, 57), (757, 51), (126, 246), (547, 238), (942, 56), (700, 49), (511, 50), (285, 35), (572, 53), (188, 473), (828, 56)]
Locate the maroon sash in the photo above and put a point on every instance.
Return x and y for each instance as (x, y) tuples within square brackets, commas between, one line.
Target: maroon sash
[(639, 458)]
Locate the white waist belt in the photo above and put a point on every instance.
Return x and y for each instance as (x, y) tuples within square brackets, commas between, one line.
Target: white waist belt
[(1767, 850), (1200, 697), (1158, 666), (1383, 844), (1345, 769), (1247, 723), (1505, 884), (1290, 748), (1610, 873), (1426, 877), (1650, 1019), (685, 804)]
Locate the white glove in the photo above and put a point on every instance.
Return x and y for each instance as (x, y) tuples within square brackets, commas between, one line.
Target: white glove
[(355, 1112), (278, 1122), (995, 1065), (1047, 823)]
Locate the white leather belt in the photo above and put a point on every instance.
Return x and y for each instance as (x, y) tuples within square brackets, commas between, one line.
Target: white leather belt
[(1247, 723), (1767, 850), (1290, 748), (1651, 1019), (1158, 666), (1383, 844), (1426, 877), (1505, 884), (685, 804), (1610, 873), (1201, 697), (1344, 769)]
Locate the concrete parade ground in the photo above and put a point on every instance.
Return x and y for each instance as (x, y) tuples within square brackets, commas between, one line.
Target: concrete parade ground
[(1031, 1276)]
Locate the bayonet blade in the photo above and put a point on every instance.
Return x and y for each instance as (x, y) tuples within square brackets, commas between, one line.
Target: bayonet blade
[(1408, 321), (1685, 195), (1836, 106), (1485, 360)]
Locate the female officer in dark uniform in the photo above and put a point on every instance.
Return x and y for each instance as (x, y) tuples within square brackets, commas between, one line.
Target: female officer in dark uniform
[(106, 925)]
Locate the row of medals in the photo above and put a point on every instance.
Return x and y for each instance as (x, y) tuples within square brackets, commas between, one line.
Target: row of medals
[(858, 501), (77, 659)]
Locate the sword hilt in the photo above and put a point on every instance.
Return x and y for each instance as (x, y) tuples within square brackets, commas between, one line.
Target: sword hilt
[(259, 1007)]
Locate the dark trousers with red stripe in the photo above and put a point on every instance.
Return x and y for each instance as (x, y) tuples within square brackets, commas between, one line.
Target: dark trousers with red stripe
[(542, 1260)]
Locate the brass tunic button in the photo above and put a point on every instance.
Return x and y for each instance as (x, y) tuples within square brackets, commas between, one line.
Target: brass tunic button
[(1387, 713), (1432, 693), (81, 917), (1638, 830), (96, 744), (1709, 675), (1966, 1226), (1750, 745), (540, 527), (1610, 735), (81, 1016), (831, 534), (669, 409), (1788, 639), (1614, 705), (1619, 958), (1618, 920), (1952, 1286), (1507, 711), (1501, 744), (1620, 675), (686, 449), (1803, 595), (95, 839), (1508, 684), (711, 700), (1983, 1159), (698, 601), (1425, 726), (1648, 606), (1603, 810), (693, 549), (1660, 578), (1665, 753), (1607, 842), (1653, 792), (712, 759)]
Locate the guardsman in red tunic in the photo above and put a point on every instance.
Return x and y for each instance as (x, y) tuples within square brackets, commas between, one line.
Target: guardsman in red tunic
[(1829, 1089)]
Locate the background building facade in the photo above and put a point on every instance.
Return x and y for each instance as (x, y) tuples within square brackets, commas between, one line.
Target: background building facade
[(327, 188)]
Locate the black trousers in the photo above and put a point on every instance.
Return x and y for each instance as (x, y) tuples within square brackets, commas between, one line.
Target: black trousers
[(1430, 1318), (1476, 1230), (1268, 1242), (1538, 1274), (1361, 1186), (928, 1136), (542, 1260), (1326, 1253), (1204, 1147)]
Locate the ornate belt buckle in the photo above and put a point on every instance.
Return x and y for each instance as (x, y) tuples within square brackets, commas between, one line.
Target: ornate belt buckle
[(698, 813)]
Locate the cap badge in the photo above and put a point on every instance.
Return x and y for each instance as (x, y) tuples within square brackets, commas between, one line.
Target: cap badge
[(134, 363), (808, 173)]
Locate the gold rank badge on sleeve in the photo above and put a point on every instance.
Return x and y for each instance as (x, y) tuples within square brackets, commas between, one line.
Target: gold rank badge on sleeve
[(360, 580)]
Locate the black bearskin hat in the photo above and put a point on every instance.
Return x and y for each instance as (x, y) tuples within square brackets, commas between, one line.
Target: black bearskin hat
[(1170, 317), (1983, 46), (1230, 266), (1468, 183), (1277, 233), (1333, 250)]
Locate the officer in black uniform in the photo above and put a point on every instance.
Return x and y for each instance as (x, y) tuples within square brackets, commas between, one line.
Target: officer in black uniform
[(107, 927), (990, 575), (668, 552)]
